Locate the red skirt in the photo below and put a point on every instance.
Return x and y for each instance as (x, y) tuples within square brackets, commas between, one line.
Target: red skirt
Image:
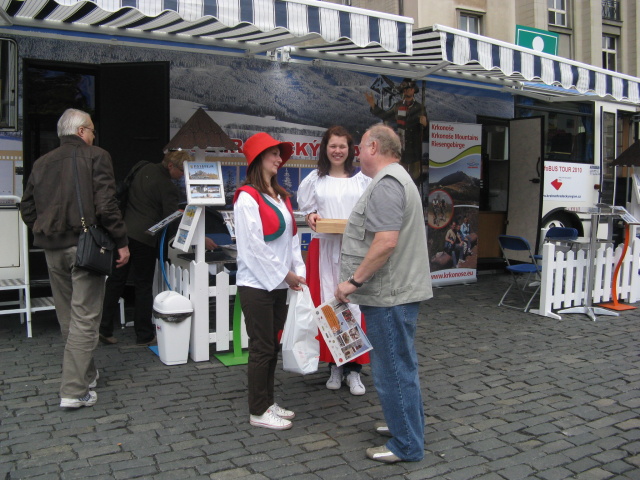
[(313, 282)]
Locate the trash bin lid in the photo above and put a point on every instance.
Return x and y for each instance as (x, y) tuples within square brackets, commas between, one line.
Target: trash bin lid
[(172, 303)]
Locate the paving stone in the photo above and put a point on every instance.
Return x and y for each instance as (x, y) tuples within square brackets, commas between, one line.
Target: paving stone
[(507, 395), (558, 473)]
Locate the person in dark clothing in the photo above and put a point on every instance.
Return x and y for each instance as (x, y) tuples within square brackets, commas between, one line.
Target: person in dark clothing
[(411, 119), (152, 196), (50, 209)]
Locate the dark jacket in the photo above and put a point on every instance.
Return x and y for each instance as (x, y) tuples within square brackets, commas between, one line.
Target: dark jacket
[(152, 197), (409, 128), (49, 204)]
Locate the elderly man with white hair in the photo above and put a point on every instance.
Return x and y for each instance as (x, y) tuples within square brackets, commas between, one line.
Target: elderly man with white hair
[(50, 209)]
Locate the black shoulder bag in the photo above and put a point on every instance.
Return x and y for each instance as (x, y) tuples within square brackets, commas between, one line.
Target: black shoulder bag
[(95, 245)]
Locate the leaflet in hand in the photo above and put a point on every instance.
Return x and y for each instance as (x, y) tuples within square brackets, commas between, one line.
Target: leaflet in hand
[(341, 331)]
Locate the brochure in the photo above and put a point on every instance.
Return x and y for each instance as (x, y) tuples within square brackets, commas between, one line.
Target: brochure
[(154, 229), (204, 183), (227, 215), (342, 333), (204, 173), (187, 227)]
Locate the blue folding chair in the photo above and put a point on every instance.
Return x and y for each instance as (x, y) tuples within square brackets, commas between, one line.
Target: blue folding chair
[(559, 234), (510, 243)]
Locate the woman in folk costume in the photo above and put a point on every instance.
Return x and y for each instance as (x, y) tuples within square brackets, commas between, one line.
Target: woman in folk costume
[(269, 262), (331, 191)]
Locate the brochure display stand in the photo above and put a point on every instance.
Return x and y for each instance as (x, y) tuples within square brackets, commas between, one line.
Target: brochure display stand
[(204, 187), (596, 213), (628, 221)]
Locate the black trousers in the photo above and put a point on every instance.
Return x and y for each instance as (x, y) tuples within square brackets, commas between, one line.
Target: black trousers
[(265, 313), (143, 261)]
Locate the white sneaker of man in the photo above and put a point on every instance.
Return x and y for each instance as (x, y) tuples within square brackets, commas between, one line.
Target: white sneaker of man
[(270, 420), (355, 384), (94, 384), (88, 400), (335, 379)]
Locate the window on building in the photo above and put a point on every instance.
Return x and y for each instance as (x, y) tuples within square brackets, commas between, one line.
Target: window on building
[(469, 22), (557, 12), (609, 52), (611, 10)]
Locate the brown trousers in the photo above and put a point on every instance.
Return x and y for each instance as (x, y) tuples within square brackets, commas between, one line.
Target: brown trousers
[(78, 296), (265, 313)]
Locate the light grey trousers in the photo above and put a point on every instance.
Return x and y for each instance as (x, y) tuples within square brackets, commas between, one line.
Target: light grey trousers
[(78, 296)]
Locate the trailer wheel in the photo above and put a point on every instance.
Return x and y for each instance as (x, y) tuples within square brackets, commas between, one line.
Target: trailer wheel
[(562, 219)]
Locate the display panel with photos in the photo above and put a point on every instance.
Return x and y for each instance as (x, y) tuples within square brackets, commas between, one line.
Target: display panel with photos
[(204, 183)]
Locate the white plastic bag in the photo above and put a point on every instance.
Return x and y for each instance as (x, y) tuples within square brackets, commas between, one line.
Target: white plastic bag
[(300, 347)]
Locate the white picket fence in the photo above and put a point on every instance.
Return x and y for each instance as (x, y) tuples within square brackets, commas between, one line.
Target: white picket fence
[(181, 281), (564, 276)]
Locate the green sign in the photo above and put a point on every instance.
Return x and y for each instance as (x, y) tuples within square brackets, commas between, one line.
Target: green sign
[(536, 39)]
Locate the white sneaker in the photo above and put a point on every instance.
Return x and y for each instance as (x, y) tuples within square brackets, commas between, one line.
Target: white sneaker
[(270, 420), (355, 384), (335, 380), (282, 412), (88, 400), (94, 384)]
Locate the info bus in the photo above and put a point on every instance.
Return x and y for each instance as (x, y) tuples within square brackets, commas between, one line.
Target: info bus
[(560, 147)]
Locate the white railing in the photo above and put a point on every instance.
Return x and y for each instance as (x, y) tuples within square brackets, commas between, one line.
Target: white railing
[(564, 276), (180, 279)]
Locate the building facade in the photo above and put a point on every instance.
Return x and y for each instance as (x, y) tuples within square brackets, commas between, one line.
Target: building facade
[(602, 33)]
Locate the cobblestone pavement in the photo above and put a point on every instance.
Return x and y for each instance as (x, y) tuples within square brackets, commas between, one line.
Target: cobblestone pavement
[(507, 395)]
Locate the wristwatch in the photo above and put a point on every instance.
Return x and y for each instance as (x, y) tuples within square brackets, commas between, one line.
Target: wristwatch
[(353, 282)]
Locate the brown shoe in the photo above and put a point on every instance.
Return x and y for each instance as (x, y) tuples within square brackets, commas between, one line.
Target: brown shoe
[(382, 454), (383, 429), (153, 341), (108, 340)]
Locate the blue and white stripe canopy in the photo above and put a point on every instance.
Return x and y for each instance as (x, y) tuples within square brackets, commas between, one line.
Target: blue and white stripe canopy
[(513, 60), (336, 35), (453, 53), (251, 21)]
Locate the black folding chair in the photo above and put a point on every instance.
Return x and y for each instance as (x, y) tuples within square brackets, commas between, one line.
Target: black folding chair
[(521, 273)]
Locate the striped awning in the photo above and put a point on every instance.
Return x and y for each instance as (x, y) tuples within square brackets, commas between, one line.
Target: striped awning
[(454, 53), (257, 23), (341, 36)]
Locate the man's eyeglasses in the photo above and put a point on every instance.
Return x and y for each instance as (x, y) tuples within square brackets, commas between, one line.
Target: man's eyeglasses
[(93, 130)]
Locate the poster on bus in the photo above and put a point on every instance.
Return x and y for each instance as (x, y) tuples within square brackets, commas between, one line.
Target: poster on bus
[(453, 202), (569, 182)]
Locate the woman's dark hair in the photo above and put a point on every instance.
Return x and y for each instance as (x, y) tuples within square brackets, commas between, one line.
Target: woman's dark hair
[(324, 165), (256, 179)]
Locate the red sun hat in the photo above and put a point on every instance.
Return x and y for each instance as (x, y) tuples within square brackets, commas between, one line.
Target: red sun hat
[(258, 143)]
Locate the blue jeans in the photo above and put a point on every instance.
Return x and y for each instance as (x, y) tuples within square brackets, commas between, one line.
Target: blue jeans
[(394, 367)]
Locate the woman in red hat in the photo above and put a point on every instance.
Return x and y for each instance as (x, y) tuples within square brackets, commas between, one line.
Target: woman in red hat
[(269, 262)]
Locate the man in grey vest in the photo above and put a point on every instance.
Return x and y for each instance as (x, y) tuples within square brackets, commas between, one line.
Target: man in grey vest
[(385, 269)]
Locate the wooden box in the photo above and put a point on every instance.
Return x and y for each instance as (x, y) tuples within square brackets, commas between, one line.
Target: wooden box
[(329, 225)]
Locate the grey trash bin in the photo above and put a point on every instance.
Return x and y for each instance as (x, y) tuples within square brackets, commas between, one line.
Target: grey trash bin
[(172, 316)]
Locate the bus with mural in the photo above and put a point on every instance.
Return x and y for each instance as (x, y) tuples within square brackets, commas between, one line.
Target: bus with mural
[(536, 148)]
